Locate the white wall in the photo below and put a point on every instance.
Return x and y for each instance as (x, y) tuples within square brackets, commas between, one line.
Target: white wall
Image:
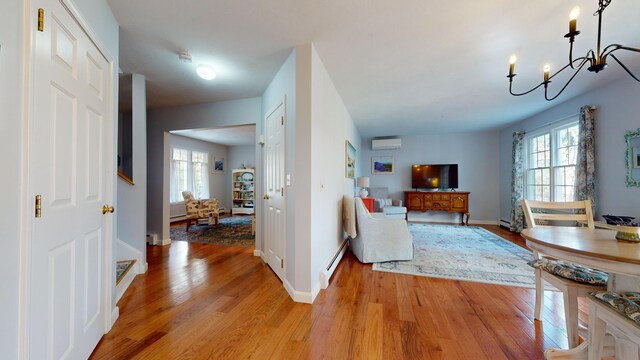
[(618, 110), (331, 125), (284, 85), (132, 200), (237, 156), (12, 130), (218, 185), (476, 156), (160, 121)]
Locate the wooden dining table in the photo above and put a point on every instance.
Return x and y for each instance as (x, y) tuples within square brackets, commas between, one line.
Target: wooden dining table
[(595, 248)]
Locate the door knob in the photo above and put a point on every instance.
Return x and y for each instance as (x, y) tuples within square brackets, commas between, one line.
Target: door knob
[(107, 209), (266, 197)]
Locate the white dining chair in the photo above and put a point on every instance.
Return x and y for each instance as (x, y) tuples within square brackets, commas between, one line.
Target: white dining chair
[(573, 280)]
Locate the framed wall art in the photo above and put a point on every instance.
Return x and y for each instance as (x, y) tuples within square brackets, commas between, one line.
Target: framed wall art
[(382, 165), (218, 164), (350, 160)]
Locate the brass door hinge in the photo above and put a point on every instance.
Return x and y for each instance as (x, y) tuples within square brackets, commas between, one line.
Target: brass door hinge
[(281, 191), (281, 120), (40, 19), (38, 206), (282, 263)]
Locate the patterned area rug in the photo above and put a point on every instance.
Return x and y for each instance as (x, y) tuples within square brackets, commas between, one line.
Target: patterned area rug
[(467, 253), (230, 231)]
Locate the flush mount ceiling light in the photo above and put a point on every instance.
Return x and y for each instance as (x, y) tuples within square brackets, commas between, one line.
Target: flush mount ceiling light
[(206, 72), (597, 60)]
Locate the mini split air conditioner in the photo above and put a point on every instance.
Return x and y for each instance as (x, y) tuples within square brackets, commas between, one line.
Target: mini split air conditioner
[(386, 144)]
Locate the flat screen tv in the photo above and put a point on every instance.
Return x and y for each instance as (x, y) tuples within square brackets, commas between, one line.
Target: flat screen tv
[(434, 176)]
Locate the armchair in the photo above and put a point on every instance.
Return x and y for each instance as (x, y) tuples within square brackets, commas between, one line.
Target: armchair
[(200, 209), (379, 237), (382, 203)]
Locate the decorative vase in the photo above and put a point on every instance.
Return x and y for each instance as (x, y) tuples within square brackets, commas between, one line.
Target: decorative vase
[(363, 193)]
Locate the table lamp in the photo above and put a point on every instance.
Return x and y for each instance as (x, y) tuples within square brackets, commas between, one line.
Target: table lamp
[(362, 183)]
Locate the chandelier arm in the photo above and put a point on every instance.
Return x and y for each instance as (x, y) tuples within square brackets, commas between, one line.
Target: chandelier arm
[(524, 93), (571, 54), (582, 60), (565, 85), (625, 48), (625, 68)]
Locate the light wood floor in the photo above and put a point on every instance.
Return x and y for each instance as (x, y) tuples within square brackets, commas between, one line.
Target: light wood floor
[(201, 301)]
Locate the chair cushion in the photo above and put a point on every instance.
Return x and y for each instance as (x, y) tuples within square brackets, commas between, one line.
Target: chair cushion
[(573, 272), (626, 303)]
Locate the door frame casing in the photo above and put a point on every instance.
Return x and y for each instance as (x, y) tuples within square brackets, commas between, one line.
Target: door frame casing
[(28, 53)]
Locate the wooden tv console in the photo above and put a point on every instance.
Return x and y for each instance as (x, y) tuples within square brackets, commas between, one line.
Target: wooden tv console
[(449, 201)]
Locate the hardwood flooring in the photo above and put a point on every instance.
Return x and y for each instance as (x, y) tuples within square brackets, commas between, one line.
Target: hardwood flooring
[(201, 301)]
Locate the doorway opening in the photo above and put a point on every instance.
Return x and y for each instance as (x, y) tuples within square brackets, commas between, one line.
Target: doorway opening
[(212, 185)]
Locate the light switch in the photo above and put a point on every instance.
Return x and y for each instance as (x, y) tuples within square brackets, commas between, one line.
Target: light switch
[(288, 180)]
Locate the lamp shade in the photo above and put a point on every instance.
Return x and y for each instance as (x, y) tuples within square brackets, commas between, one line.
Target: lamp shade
[(363, 182)]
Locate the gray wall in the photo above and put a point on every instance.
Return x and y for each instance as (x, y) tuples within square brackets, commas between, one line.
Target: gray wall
[(12, 130), (218, 186), (331, 125), (132, 200), (160, 122), (283, 86), (476, 156), (618, 110)]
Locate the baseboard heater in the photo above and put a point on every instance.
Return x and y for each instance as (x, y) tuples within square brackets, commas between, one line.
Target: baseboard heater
[(505, 223), (335, 257), (333, 264)]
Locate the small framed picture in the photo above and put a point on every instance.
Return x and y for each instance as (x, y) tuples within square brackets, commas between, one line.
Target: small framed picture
[(350, 160), (382, 165), (636, 158), (218, 165)]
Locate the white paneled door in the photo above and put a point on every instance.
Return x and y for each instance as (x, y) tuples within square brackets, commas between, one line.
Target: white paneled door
[(69, 150), (274, 191)]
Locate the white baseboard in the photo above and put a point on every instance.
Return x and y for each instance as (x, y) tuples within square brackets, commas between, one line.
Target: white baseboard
[(115, 314), (326, 274), (122, 287), (484, 222), (298, 296), (162, 242)]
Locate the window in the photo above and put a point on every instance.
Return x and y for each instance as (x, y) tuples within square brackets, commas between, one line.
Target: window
[(551, 164), (190, 172)]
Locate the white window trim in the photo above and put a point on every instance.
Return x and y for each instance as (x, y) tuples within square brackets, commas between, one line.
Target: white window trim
[(551, 128)]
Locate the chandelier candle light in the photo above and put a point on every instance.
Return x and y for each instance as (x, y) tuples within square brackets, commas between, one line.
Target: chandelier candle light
[(597, 60)]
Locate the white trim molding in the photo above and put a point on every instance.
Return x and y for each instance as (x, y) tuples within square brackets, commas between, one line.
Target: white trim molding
[(299, 296)]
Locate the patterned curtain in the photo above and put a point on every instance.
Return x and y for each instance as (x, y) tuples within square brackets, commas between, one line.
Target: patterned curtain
[(517, 182), (586, 163)]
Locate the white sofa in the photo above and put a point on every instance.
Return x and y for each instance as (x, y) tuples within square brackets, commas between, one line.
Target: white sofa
[(380, 238)]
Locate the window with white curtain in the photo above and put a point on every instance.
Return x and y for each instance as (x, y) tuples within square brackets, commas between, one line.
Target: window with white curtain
[(189, 171), (551, 163)]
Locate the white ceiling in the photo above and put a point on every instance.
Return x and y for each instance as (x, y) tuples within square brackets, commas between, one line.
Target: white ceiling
[(400, 67), (230, 136)]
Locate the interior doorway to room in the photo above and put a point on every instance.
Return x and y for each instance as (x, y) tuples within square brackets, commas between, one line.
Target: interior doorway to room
[(212, 185)]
